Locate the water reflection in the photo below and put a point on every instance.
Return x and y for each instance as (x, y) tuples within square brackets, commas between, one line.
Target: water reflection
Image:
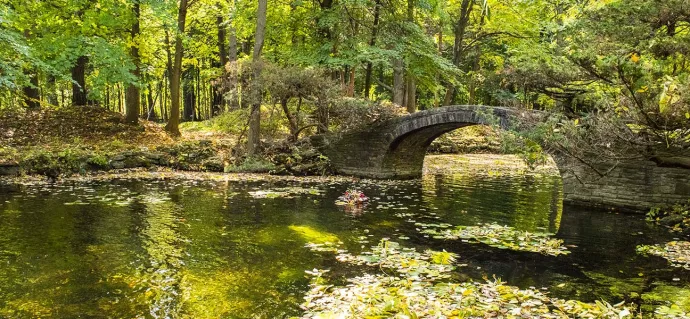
[(188, 249)]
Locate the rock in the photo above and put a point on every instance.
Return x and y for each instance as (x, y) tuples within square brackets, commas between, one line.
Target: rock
[(152, 156), (117, 164), (119, 157), (136, 161), (281, 170), (304, 169), (671, 220), (309, 153), (214, 164), (9, 169)]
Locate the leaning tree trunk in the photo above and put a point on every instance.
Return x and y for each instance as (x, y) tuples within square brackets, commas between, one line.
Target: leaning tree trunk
[(173, 126), (132, 95), (254, 135)]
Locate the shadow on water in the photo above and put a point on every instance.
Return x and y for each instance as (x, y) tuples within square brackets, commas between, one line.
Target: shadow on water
[(189, 249)]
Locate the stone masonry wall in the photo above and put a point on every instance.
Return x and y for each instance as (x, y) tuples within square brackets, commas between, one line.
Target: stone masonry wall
[(633, 186)]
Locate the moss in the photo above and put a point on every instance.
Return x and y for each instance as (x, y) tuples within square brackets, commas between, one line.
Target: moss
[(627, 288), (98, 161), (312, 235), (666, 295)]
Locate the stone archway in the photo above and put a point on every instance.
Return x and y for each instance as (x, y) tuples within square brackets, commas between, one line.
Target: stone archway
[(396, 148)]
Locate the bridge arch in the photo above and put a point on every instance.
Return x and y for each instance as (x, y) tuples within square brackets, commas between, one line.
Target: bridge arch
[(396, 148)]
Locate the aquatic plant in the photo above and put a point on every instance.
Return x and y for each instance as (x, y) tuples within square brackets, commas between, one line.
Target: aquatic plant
[(352, 197), (676, 217), (284, 192), (417, 291), (503, 237), (676, 252)]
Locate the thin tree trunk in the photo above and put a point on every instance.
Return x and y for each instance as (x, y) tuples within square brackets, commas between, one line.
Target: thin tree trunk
[(216, 89), (133, 94), (411, 88), (164, 100), (411, 94), (254, 135), (151, 116), (188, 94), (398, 82), (107, 97), (119, 98), (440, 52), (372, 42), (460, 27), (351, 83), (292, 121), (174, 122)]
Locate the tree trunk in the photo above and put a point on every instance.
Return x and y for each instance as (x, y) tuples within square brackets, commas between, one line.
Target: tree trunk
[(174, 122), (411, 94), (234, 103), (188, 94), (460, 27), (372, 42), (398, 82), (79, 92), (151, 116), (132, 96), (292, 121), (164, 99), (217, 89), (32, 96), (438, 77), (51, 94), (411, 87), (351, 82), (254, 135)]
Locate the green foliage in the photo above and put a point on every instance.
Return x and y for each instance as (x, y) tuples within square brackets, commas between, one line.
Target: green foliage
[(251, 165), (675, 217)]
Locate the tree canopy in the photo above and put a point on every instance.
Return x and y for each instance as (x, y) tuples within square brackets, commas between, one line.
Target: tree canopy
[(619, 60)]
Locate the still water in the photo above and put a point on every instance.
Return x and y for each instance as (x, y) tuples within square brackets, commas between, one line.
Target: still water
[(139, 248)]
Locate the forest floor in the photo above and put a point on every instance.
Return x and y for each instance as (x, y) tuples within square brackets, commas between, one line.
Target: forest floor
[(79, 140), (65, 141)]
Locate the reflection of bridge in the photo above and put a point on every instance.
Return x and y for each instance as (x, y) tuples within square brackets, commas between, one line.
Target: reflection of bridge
[(396, 148)]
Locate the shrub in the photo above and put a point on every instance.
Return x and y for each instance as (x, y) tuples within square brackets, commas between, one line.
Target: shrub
[(352, 113), (251, 165)]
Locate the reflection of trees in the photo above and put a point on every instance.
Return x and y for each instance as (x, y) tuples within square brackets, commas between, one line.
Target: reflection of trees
[(532, 203)]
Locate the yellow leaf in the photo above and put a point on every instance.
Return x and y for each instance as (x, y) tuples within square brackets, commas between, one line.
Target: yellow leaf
[(634, 58)]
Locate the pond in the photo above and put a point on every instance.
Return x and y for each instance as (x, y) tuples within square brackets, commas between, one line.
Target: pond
[(191, 248)]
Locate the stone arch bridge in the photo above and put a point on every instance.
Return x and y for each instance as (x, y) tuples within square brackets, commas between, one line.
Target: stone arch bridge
[(396, 148)]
